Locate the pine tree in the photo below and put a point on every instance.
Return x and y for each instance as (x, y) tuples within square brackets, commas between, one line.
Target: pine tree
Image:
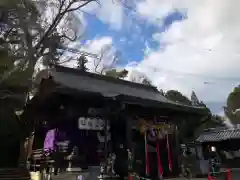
[(146, 81), (194, 99), (162, 92), (81, 63)]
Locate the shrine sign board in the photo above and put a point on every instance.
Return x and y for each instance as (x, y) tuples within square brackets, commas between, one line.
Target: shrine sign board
[(149, 126), (86, 123)]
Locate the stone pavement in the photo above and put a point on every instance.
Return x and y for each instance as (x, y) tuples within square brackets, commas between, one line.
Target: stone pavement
[(185, 179)]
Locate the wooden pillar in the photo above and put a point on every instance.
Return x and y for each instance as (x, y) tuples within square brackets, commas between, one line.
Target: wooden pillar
[(22, 156), (25, 150), (129, 146), (106, 142), (128, 132), (106, 116), (178, 149)]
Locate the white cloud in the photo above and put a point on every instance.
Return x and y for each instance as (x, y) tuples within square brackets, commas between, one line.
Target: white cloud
[(156, 10), (109, 11), (104, 48), (206, 43), (97, 47)]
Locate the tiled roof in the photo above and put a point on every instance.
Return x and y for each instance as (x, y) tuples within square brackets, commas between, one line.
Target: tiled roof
[(112, 87), (215, 135)]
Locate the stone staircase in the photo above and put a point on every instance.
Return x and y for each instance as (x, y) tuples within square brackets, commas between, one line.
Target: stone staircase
[(71, 176), (14, 174), (63, 176)]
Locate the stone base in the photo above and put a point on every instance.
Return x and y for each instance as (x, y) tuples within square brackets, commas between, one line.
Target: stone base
[(74, 169), (72, 176), (14, 173), (35, 175)]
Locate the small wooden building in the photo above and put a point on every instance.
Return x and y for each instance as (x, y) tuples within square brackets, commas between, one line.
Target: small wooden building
[(97, 113), (226, 142)]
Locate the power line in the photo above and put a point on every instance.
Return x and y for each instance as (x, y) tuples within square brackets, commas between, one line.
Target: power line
[(189, 75), (186, 74), (127, 6), (132, 8), (85, 53), (178, 74), (158, 19)]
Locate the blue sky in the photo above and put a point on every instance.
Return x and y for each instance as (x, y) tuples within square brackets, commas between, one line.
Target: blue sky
[(177, 44), (128, 42)]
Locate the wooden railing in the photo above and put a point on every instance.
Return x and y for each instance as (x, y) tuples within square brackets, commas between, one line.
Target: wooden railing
[(37, 158)]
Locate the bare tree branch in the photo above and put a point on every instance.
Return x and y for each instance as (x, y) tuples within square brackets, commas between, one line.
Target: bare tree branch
[(67, 60), (100, 59), (115, 59), (31, 42), (80, 6), (70, 39)]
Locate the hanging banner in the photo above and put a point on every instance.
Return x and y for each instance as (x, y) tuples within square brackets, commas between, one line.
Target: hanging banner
[(169, 155), (147, 168), (49, 140), (159, 162), (85, 123)]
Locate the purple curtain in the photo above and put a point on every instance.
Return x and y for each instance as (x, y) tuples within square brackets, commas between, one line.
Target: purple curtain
[(49, 142)]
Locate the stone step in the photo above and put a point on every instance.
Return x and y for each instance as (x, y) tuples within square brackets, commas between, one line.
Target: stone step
[(14, 174)]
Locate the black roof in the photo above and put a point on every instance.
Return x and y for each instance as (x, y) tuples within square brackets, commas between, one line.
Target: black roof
[(219, 134), (113, 87)]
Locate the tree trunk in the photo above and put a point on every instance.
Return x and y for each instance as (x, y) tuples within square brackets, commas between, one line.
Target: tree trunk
[(9, 134)]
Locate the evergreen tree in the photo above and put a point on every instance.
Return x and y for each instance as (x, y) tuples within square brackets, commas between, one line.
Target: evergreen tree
[(146, 81), (178, 97), (194, 99), (117, 74), (162, 92), (81, 63), (232, 110)]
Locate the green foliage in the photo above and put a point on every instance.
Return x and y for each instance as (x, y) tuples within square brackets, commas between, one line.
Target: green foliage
[(116, 74), (12, 97), (147, 81), (81, 63), (162, 92), (211, 121), (28, 36), (18, 79), (194, 99), (25, 38), (8, 3), (176, 96), (233, 104), (19, 21), (197, 123)]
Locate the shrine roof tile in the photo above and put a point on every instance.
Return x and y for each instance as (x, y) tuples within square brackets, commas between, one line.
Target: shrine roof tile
[(219, 134), (113, 87)]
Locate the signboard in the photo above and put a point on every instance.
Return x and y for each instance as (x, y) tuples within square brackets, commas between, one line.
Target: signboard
[(91, 123)]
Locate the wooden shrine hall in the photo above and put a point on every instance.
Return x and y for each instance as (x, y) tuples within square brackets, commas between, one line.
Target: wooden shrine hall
[(91, 115)]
